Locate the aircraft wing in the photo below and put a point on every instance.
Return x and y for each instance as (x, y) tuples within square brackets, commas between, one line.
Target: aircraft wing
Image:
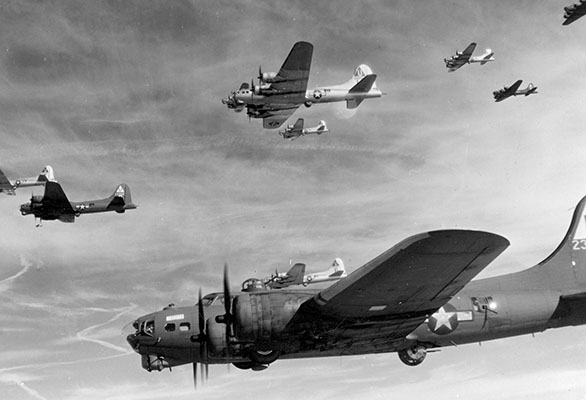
[(407, 283), (56, 199), (5, 185), (574, 12), (275, 117), (298, 127), (507, 92), (462, 58), (294, 73), (295, 274)]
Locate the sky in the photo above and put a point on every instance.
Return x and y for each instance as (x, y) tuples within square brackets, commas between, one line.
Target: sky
[(130, 91)]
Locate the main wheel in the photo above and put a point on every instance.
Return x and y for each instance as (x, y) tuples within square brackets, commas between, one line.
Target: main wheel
[(413, 356), (264, 357)]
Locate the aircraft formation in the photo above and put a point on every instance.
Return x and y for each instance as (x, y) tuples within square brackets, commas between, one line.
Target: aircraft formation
[(413, 299), (465, 57), (54, 205)]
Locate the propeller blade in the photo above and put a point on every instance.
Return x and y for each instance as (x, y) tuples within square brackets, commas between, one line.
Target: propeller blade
[(259, 73), (195, 375), (227, 308)]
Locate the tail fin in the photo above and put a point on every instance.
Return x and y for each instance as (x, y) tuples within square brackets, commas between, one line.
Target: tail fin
[(364, 86), (121, 199), (46, 175), (337, 268), (570, 255), (487, 57)]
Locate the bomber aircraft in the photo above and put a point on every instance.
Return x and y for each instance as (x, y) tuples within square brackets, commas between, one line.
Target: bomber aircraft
[(292, 132), (296, 276), (8, 186), (465, 57), (412, 299), (514, 90), (55, 205), (278, 94), (574, 12)]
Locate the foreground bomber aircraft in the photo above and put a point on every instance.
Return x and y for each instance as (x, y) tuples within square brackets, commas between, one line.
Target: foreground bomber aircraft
[(8, 186), (278, 95), (514, 90), (414, 298), (55, 205), (574, 12), (465, 57), (292, 132)]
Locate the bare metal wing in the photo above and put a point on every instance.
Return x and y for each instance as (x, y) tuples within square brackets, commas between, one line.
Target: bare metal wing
[(407, 283)]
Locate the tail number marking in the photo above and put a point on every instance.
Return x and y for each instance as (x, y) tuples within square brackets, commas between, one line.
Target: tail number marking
[(579, 244)]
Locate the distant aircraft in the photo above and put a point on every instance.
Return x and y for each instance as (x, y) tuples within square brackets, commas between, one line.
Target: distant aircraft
[(55, 205), (292, 277), (461, 58), (514, 90), (8, 186), (574, 12), (296, 276), (278, 95), (413, 299), (334, 273), (292, 132)]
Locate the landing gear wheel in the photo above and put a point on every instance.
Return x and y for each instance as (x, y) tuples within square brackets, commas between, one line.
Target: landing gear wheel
[(413, 356), (263, 356), (250, 365)]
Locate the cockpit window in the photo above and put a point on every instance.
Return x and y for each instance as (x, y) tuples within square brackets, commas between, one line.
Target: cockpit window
[(170, 327), (214, 298), (147, 328)]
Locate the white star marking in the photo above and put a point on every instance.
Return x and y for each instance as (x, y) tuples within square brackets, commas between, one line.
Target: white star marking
[(443, 319)]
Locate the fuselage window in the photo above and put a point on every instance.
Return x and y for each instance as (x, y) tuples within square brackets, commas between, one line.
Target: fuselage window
[(184, 326), (482, 304), (170, 327)]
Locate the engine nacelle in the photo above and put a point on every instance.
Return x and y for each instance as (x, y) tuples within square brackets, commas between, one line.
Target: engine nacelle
[(262, 317)]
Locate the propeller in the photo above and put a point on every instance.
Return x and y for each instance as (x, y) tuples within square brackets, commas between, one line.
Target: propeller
[(259, 73), (202, 339), (227, 308)]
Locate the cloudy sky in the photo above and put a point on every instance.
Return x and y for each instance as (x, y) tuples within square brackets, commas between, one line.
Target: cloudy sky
[(129, 91)]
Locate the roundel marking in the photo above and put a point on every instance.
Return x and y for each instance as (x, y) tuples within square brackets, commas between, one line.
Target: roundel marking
[(444, 321), (317, 94)]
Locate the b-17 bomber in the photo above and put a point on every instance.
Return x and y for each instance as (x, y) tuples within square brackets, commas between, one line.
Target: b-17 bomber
[(54, 205), (573, 12), (296, 130), (513, 90), (8, 186), (465, 57), (413, 299), (278, 94)]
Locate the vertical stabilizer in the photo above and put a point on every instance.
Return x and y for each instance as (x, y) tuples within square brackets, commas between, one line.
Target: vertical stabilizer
[(566, 266), (121, 199)]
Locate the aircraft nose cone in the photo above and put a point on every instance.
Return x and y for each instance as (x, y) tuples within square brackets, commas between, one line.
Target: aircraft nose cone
[(129, 333)]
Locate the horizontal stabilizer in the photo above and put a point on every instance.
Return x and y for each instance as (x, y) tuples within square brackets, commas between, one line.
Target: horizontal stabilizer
[(353, 103), (364, 85)]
